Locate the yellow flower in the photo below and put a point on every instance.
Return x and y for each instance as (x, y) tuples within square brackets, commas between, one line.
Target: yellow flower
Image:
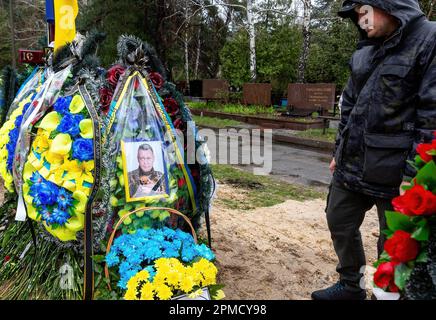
[(186, 284), (164, 292), (196, 294), (77, 104), (83, 199), (41, 142), (61, 233), (61, 144), (50, 121), (76, 223), (31, 213), (147, 292), (86, 129)]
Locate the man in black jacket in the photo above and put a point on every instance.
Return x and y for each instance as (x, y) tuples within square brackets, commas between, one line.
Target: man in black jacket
[(388, 107)]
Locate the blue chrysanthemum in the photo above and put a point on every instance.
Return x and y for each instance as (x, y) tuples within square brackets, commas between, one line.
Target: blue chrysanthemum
[(60, 217), (65, 200)]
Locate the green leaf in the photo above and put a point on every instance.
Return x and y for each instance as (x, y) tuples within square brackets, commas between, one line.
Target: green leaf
[(426, 176), (388, 233), (423, 231), (423, 257), (98, 258), (402, 275), (398, 221)]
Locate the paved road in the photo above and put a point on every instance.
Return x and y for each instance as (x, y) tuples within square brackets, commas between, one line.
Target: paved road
[(289, 163)]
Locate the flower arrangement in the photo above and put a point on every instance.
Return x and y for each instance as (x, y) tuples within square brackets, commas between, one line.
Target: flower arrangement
[(409, 225), (8, 140), (132, 252), (58, 174), (170, 278)]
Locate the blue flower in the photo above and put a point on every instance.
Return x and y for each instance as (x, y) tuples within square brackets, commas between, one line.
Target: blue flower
[(70, 124), (18, 121), (64, 200), (112, 259), (36, 179), (83, 149), (60, 217), (46, 214), (45, 194), (62, 105)]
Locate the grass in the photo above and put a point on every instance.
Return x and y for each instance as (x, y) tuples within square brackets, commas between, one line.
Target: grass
[(259, 191), (215, 122), (317, 134), (232, 108)]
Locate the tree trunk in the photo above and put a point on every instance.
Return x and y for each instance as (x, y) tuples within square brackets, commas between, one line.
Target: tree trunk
[(197, 60), (186, 45), (12, 24), (252, 37), (306, 41)]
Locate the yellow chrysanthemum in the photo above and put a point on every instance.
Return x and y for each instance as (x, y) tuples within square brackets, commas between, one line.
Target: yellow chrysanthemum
[(147, 291), (164, 292)]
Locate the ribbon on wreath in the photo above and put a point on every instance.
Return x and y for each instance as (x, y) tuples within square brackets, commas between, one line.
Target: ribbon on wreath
[(46, 98)]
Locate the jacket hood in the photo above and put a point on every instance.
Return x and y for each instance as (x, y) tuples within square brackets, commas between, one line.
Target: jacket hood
[(405, 11)]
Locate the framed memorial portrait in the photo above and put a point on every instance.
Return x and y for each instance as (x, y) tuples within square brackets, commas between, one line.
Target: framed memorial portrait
[(144, 170)]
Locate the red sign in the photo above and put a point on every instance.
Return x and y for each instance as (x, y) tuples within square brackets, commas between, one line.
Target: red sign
[(31, 56)]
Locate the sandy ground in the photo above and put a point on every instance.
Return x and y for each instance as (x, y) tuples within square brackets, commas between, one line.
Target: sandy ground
[(280, 253)]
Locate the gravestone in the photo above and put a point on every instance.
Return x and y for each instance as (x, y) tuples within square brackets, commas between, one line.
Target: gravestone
[(196, 88), (257, 93), (311, 97), (214, 89)]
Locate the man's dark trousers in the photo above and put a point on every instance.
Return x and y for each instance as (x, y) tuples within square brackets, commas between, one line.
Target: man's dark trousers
[(346, 211)]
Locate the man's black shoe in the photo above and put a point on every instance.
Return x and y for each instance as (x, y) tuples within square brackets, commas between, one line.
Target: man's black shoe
[(338, 292)]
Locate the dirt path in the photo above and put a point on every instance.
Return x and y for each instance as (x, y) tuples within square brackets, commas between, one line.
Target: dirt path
[(282, 252)]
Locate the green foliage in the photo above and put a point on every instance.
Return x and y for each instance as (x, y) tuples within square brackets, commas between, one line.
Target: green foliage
[(214, 122), (277, 52)]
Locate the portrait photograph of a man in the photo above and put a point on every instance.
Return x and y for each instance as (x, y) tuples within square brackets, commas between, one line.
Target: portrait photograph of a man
[(144, 170)]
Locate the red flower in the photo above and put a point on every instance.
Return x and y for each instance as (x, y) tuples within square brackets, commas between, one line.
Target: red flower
[(384, 277), (401, 247), (179, 124), (423, 150), (157, 79), (7, 258), (181, 183), (171, 106), (416, 202), (105, 99), (114, 74)]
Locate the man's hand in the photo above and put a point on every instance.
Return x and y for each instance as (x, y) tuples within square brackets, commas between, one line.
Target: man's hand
[(333, 166), (404, 184)]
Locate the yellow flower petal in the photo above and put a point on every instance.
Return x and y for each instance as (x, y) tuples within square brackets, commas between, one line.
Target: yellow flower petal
[(76, 223), (61, 144), (62, 233), (54, 159), (77, 104), (32, 213), (83, 199), (70, 186), (50, 121), (28, 171), (86, 129)]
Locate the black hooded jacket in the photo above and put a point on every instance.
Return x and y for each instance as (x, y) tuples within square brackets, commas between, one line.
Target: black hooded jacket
[(389, 103)]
